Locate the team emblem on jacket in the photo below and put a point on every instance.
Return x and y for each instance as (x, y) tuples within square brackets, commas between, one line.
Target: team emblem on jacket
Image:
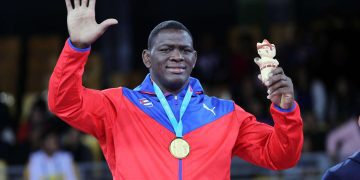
[(146, 102)]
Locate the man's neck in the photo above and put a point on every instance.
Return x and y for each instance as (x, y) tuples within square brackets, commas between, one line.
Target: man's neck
[(169, 90), (176, 92)]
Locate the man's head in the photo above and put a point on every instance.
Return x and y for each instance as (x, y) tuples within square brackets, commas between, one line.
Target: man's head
[(171, 24), (170, 56), (50, 141)]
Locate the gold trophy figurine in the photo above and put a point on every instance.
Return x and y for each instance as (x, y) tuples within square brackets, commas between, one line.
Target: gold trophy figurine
[(266, 63)]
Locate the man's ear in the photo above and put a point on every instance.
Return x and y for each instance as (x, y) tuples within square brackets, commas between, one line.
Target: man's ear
[(146, 58), (195, 57)]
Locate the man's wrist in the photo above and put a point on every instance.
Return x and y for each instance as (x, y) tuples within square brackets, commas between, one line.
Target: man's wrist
[(79, 45), (293, 106), (77, 48)]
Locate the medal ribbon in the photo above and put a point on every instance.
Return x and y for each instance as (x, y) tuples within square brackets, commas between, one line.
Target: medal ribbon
[(178, 126)]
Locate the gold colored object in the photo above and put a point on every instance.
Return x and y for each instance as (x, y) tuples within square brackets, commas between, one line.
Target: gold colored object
[(179, 148)]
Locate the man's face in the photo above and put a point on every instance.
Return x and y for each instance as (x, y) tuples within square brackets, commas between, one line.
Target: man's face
[(171, 59), (51, 144)]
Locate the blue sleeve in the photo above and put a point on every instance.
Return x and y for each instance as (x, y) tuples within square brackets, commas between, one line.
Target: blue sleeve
[(76, 48), (285, 110)]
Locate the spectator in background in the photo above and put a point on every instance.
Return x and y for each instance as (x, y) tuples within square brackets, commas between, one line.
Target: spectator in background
[(319, 100), (344, 140), (342, 102), (209, 61), (7, 138), (349, 169), (73, 144), (303, 88), (29, 132), (49, 162), (242, 52)]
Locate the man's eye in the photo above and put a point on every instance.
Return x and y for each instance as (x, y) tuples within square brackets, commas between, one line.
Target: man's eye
[(165, 49), (187, 51)]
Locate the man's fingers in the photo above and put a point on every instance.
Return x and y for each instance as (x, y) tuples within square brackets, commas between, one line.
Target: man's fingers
[(107, 23), (278, 85), (76, 3), (68, 5), (84, 3), (277, 70), (279, 91), (92, 4), (274, 79)]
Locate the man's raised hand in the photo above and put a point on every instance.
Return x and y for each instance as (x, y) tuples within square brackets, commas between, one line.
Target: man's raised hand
[(82, 26)]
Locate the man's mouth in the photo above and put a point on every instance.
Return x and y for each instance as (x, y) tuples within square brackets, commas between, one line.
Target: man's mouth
[(176, 69)]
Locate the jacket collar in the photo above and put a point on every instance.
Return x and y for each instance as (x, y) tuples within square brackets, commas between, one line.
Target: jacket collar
[(355, 156), (146, 87)]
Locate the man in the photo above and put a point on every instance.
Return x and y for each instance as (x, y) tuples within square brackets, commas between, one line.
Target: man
[(50, 162), (344, 140), (167, 128), (348, 169)]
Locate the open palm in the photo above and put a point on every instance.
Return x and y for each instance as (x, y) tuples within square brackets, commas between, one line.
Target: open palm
[(82, 25)]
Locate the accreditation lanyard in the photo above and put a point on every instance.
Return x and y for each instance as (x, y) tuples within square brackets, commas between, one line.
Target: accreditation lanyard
[(178, 126)]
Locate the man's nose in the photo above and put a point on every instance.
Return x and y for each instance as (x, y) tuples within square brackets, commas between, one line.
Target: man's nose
[(177, 55)]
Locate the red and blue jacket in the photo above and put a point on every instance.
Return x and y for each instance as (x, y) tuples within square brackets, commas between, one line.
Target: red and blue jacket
[(134, 132)]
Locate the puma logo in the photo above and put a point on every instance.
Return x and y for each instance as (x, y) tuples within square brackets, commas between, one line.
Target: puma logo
[(207, 108)]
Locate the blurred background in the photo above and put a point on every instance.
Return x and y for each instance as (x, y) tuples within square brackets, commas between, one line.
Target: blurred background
[(316, 41)]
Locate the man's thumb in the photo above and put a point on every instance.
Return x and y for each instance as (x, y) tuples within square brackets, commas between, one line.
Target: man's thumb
[(107, 23)]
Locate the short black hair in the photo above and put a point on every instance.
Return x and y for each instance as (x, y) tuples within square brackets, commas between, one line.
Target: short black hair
[(49, 131), (170, 24)]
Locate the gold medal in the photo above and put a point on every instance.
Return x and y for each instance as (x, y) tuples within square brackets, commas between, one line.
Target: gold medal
[(179, 148)]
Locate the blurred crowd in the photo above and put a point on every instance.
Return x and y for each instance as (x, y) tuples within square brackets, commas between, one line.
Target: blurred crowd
[(43, 143), (318, 56)]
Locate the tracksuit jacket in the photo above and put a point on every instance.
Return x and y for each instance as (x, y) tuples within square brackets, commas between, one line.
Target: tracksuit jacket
[(348, 169), (134, 132)]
